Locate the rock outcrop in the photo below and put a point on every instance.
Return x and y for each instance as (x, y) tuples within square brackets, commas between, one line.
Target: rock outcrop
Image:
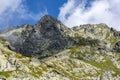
[(117, 46), (48, 35)]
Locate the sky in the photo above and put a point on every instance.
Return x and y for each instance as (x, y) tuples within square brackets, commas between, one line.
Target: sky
[(70, 12)]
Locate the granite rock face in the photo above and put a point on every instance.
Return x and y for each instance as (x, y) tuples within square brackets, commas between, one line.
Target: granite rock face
[(48, 35)]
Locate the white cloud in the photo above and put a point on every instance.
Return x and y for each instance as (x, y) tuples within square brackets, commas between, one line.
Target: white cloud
[(74, 13), (14, 11)]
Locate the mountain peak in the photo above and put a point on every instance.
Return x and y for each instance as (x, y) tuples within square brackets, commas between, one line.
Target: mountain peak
[(50, 24), (47, 35), (48, 18), (51, 35)]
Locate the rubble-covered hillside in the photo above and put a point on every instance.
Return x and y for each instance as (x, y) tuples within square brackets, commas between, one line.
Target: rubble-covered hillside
[(51, 51)]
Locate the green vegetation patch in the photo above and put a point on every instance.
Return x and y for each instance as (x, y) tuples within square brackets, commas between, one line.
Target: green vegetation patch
[(6, 73), (37, 71), (80, 41), (3, 41), (104, 66)]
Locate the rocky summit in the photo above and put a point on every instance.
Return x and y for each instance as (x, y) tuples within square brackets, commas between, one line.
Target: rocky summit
[(47, 36), (49, 50)]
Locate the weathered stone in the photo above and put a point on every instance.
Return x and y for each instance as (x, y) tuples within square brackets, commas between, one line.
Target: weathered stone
[(117, 46)]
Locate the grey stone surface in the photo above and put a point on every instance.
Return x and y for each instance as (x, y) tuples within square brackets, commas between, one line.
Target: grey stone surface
[(48, 35)]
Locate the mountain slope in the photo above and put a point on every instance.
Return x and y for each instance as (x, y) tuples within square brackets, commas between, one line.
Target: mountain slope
[(55, 52), (49, 35)]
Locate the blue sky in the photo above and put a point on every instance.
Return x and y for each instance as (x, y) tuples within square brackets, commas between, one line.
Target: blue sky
[(70, 12), (52, 6), (32, 8)]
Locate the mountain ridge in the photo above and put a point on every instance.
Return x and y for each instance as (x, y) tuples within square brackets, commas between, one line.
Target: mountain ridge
[(48, 27), (51, 51), (41, 33)]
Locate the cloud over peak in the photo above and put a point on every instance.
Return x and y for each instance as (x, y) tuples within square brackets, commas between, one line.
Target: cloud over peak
[(14, 12), (76, 12)]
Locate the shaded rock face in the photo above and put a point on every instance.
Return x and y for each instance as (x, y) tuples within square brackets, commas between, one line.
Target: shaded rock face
[(46, 36), (117, 46), (116, 33)]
